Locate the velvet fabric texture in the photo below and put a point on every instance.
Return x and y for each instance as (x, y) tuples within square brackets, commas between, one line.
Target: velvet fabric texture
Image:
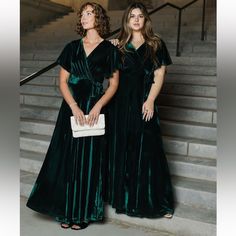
[(70, 185), (139, 182)]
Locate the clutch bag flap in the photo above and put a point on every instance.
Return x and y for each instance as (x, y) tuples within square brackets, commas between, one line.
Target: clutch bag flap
[(86, 130)]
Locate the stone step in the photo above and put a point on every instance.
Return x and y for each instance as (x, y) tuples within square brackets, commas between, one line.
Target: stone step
[(190, 147), (197, 193), (184, 166), (199, 61), (193, 46), (192, 167), (192, 70), (188, 130), (36, 143), (189, 90), (42, 101), (43, 80), (35, 63), (28, 71), (173, 145), (194, 54), (190, 79), (38, 127), (186, 114), (33, 112), (187, 220), (187, 102)]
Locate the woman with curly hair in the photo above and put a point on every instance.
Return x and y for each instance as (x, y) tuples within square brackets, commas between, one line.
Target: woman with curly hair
[(70, 184), (139, 179)]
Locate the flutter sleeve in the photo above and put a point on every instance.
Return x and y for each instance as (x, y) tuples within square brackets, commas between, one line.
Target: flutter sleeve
[(163, 56), (64, 60), (113, 62)]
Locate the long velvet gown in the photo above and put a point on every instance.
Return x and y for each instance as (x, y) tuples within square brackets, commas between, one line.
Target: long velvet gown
[(70, 185), (139, 182)]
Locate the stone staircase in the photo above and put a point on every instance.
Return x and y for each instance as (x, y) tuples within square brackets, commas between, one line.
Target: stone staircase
[(187, 106)]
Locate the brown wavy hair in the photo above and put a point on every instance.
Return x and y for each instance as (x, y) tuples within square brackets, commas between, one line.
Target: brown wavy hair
[(125, 36), (102, 24)]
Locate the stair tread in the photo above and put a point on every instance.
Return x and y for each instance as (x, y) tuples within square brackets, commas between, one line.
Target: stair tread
[(188, 123), (38, 121), (35, 136), (194, 184), (209, 162), (39, 107), (190, 140), (34, 156)]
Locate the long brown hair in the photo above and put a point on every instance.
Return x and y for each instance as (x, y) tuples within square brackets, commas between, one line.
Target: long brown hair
[(150, 38), (102, 24)]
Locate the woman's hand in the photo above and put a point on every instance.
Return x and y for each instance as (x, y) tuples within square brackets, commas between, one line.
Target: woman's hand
[(94, 115), (115, 42), (148, 109), (78, 114)]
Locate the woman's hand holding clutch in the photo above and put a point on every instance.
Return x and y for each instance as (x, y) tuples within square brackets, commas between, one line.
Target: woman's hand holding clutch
[(78, 114), (94, 114)]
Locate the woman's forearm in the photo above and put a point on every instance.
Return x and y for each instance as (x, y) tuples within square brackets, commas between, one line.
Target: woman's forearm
[(159, 75), (65, 91)]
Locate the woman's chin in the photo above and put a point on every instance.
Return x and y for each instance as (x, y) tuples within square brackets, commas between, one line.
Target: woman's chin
[(137, 29)]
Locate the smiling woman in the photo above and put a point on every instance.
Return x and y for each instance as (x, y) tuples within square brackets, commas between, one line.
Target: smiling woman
[(139, 179)]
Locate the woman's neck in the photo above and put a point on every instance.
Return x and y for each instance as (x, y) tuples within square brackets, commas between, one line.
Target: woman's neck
[(137, 37), (92, 36)]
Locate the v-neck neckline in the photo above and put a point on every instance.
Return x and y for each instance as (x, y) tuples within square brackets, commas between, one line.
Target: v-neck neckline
[(87, 56), (136, 49)]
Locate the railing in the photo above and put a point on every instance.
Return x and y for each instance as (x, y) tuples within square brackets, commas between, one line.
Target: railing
[(180, 9)]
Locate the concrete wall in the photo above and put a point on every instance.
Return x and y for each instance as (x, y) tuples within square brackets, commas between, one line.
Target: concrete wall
[(68, 3), (122, 4), (75, 4), (34, 13)]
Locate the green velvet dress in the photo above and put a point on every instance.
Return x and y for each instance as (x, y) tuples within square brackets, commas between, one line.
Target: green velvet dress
[(139, 182), (70, 185)]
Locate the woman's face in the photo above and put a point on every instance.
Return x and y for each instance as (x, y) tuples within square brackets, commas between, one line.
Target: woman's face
[(88, 18), (136, 19)]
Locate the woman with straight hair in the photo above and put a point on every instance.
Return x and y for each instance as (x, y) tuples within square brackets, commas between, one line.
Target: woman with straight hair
[(70, 185), (139, 179)]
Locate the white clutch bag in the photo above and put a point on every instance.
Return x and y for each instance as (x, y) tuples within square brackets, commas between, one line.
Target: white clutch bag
[(86, 130)]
